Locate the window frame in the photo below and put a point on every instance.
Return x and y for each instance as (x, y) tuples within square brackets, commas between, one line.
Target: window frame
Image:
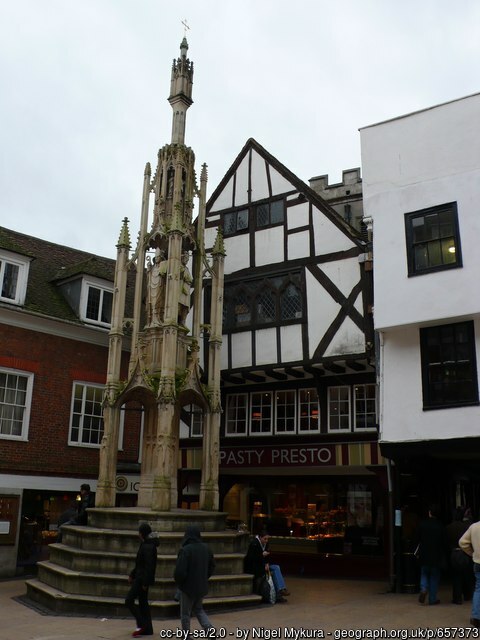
[(93, 445), (26, 408), (329, 412), (413, 270), (286, 418), (268, 203), (425, 363), (23, 264), (250, 291), (103, 287), (364, 413), (226, 232), (309, 406), (262, 420), (237, 434)]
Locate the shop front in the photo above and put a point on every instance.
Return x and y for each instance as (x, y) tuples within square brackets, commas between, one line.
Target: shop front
[(325, 505)]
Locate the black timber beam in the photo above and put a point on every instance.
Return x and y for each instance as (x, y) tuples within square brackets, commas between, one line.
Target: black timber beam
[(334, 368), (294, 372), (276, 375), (253, 377), (356, 366)]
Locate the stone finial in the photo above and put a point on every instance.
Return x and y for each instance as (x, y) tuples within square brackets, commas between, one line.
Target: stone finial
[(219, 246), (148, 170), (204, 173), (124, 238)]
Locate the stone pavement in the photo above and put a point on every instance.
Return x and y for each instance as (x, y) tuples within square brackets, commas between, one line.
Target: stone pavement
[(329, 606)]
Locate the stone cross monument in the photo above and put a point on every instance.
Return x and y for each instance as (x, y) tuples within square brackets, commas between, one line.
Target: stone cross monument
[(164, 371)]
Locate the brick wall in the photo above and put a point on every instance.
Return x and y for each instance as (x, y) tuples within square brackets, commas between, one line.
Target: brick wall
[(56, 362)]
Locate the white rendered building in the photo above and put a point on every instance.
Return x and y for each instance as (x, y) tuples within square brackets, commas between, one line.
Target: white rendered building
[(421, 185)]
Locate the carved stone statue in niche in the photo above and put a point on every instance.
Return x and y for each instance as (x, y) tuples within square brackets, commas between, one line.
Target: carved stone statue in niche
[(185, 283), (156, 276)]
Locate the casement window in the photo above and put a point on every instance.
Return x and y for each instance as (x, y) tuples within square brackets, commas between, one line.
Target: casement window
[(192, 415), (235, 221), (15, 402), (309, 411), (449, 366), (96, 303), (433, 239), (256, 303), (365, 406), (261, 413), (270, 213), (285, 411), (339, 408), (13, 278), (236, 414)]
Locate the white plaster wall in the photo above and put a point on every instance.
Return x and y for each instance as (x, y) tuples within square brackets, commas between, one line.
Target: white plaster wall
[(266, 346), (242, 349), (241, 186), (279, 183), (291, 341), (225, 198), (348, 339), (344, 274), (322, 310), (224, 353), (328, 238), (418, 161), (259, 178), (297, 216), (298, 245), (268, 246), (238, 253), (401, 415)]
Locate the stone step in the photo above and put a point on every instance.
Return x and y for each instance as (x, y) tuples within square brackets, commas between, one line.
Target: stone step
[(126, 541), (99, 584), (121, 563), (174, 520), (60, 601)]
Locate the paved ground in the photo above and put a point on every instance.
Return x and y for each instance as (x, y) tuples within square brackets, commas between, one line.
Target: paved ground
[(329, 606)]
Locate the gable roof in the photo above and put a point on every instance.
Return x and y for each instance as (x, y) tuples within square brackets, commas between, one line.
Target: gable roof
[(49, 264), (296, 183)]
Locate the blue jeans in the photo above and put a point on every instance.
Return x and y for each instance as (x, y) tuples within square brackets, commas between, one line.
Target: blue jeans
[(429, 579), (476, 593), (278, 581), (192, 606)]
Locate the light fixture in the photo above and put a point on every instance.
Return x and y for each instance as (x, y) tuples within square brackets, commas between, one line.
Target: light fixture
[(451, 249)]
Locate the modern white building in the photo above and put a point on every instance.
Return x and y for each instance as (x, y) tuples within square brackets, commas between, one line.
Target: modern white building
[(421, 186)]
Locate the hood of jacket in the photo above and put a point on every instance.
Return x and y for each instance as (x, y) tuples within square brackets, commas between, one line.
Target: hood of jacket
[(152, 539), (192, 535)]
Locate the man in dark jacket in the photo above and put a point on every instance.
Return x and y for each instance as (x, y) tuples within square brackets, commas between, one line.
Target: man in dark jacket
[(432, 539), (140, 578), (195, 565)]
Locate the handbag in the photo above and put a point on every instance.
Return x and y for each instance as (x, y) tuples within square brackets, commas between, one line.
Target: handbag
[(266, 589)]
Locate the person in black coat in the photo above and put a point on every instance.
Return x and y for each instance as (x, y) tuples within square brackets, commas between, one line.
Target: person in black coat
[(140, 579), (461, 564), (257, 563), (432, 538), (195, 565)]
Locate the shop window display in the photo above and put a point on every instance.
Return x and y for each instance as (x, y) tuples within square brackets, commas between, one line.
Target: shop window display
[(323, 517)]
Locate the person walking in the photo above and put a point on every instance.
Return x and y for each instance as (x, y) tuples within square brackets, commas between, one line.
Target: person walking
[(470, 544), (256, 562), (141, 578), (461, 564), (195, 564), (432, 549)]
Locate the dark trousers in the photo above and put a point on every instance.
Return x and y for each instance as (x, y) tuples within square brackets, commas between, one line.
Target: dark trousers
[(192, 606), (462, 576), (140, 612)]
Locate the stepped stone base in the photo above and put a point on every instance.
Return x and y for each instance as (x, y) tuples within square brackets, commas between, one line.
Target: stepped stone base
[(87, 572)]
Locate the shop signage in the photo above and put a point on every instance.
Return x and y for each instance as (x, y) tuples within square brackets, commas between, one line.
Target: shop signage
[(291, 456)]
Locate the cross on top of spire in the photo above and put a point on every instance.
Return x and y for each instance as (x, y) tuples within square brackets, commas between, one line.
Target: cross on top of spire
[(185, 27)]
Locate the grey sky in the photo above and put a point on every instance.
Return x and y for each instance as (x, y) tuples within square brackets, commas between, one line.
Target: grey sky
[(85, 86)]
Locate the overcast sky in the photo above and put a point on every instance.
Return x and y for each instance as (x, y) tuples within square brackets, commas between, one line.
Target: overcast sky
[(84, 88)]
